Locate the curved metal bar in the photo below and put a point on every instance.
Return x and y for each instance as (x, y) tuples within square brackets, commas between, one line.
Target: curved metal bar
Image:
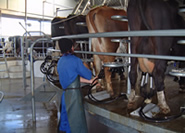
[(32, 76), (180, 74), (38, 32), (115, 64), (2, 96)]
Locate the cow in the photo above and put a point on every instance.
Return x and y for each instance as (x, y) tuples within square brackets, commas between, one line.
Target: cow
[(13, 45), (61, 26), (151, 15), (16, 44), (99, 20), (69, 26)]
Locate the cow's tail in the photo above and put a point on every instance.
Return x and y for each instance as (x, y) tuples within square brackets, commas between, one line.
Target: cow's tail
[(141, 11), (92, 17)]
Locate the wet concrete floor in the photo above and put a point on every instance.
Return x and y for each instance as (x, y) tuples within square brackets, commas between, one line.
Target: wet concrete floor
[(16, 114)]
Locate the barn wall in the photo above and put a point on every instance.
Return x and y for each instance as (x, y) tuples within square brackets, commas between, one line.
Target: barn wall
[(35, 8)]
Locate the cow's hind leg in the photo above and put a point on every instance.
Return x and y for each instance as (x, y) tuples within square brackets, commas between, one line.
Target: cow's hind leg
[(133, 79), (159, 75), (182, 79)]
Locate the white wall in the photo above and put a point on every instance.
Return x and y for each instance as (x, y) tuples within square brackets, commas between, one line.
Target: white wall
[(35, 8)]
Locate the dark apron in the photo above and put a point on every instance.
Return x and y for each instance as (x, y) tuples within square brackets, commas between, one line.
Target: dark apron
[(72, 118)]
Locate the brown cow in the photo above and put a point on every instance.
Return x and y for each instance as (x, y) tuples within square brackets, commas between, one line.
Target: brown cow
[(99, 20)]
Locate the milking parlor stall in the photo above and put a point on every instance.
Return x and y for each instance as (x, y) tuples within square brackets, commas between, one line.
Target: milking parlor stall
[(136, 50)]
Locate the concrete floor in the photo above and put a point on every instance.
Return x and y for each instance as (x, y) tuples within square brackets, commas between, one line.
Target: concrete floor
[(118, 112), (16, 114)]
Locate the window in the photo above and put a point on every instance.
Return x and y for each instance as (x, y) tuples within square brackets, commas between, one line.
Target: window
[(16, 26)]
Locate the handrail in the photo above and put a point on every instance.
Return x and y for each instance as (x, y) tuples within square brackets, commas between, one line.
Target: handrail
[(141, 33), (163, 33), (180, 58)]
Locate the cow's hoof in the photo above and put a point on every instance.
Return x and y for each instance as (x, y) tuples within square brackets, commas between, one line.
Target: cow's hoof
[(122, 77), (111, 94), (134, 103), (182, 88), (176, 79), (99, 88), (130, 105), (164, 110)]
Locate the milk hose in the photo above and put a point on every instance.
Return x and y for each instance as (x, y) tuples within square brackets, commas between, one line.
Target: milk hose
[(159, 120), (94, 83)]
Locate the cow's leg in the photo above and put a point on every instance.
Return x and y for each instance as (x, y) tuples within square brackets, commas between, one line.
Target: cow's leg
[(98, 67), (133, 79), (182, 79), (158, 75), (97, 64), (108, 81)]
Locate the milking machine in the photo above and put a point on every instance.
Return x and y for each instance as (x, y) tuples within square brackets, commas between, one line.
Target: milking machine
[(147, 95), (47, 68), (114, 67), (44, 66)]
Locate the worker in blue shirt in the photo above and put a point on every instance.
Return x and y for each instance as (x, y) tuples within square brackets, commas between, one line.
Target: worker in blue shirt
[(71, 72)]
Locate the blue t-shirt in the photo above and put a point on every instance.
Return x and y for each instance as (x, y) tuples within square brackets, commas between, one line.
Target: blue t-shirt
[(69, 67)]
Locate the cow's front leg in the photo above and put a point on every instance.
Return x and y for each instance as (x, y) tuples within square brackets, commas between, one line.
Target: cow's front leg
[(158, 75), (108, 81), (98, 67)]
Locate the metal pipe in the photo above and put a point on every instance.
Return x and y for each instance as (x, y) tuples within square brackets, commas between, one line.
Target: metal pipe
[(85, 7), (129, 68), (158, 33), (2, 96), (59, 10), (24, 28), (26, 14), (103, 3), (165, 57), (64, 20), (77, 7), (23, 63), (14, 45), (32, 77)]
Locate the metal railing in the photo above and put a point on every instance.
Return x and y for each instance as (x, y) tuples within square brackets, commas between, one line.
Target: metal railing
[(111, 34), (1, 96), (32, 76)]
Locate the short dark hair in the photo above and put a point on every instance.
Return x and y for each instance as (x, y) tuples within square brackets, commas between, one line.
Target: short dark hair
[(65, 45)]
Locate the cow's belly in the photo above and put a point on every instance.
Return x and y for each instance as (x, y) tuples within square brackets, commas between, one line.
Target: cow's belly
[(146, 65)]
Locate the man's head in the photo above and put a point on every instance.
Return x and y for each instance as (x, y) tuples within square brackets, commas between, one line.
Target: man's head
[(65, 45)]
